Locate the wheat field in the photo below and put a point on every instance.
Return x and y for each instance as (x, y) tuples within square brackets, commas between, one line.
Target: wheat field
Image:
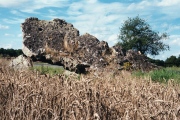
[(28, 95)]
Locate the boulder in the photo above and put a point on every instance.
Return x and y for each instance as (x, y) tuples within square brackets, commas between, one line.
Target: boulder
[(59, 42), (21, 63)]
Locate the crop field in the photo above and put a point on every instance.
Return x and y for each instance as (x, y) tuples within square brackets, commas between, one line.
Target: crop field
[(29, 95)]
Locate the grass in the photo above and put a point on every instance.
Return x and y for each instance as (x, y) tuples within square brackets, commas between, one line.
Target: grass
[(54, 71), (162, 75), (48, 70)]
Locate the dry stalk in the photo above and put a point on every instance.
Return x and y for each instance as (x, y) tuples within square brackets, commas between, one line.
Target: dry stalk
[(28, 95)]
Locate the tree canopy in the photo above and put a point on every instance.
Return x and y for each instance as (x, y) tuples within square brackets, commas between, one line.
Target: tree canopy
[(137, 34), (172, 61), (10, 52)]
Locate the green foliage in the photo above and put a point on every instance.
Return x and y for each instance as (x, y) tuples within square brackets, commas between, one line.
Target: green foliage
[(172, 61), (10, 52), (48, 70), (178, 61), (169, 62), (166, 74), (136, 34), (157, 62), (162, 75)]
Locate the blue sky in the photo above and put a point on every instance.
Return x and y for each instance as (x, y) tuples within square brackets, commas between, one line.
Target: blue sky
[(101, 18)]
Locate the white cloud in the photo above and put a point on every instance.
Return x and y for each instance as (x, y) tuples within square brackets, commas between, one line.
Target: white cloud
[(13, 20), (4, 27), (30, 6), (19, 35), (168, 2), (7, 34), (112, 39), (174, 45), (92, 1), (169, 8), (177, 53), (12, 3), (17, 13), (6, 46), (171, 28), (174, 40), (140, 6), (52, 11)]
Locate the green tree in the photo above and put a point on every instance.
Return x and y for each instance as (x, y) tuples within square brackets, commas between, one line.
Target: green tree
[(2, 50), (178, 61), (157, 62), (10, 52), (171, 61), (136, 34), (19, 52)]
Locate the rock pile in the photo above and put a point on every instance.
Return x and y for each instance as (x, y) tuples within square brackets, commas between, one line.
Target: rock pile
[(136, 61), (59, 42)]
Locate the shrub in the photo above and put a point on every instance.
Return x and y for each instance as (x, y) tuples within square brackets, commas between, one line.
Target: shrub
[(127, 65)]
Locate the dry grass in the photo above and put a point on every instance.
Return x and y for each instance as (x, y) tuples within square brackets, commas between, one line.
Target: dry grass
[(30, 96)]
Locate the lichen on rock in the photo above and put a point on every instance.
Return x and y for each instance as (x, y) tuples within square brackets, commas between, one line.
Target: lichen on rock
[(59, 42)]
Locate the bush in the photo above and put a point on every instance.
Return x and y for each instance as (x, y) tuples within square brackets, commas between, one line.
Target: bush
[(127, 65)]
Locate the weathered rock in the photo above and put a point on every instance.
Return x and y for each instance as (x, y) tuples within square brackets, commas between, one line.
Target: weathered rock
[(137, 61), (21, 63), (59, 42), (38, 34)]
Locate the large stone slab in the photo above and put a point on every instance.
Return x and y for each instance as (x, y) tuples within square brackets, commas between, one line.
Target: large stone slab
[(60, 43)]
